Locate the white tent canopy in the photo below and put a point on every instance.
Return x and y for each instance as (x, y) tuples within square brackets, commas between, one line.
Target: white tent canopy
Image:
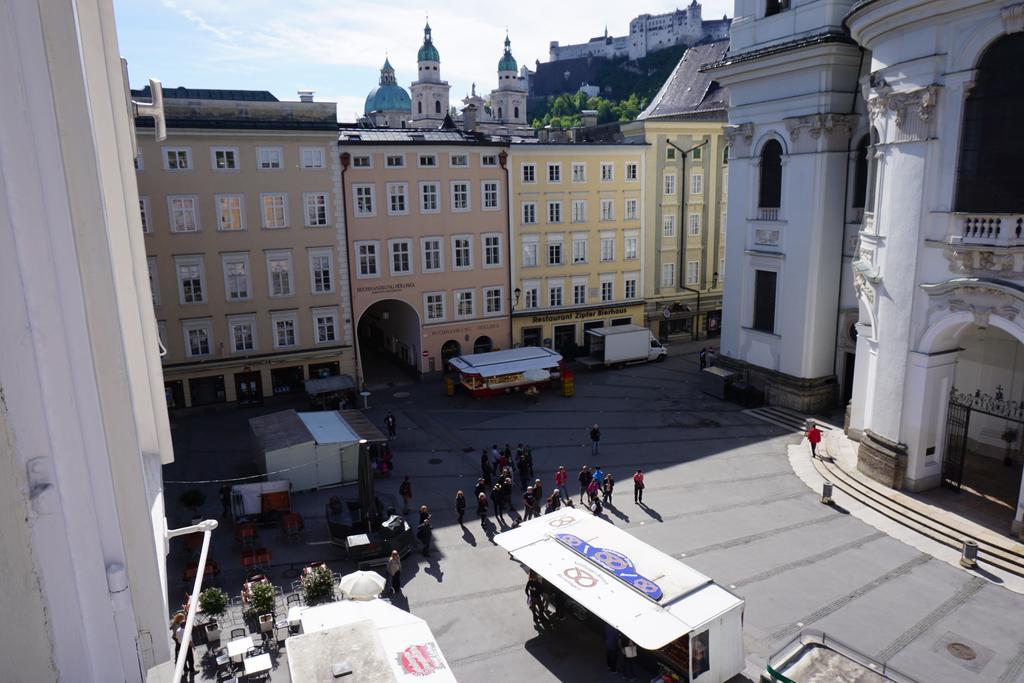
[(496, 363), (650, 597)]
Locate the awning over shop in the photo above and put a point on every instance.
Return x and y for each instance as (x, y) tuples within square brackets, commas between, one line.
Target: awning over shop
[(509, 361), (328, 385), (650, 597)]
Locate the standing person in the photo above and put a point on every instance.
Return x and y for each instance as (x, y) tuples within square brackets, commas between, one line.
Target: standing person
[(524, 472), (595, 439), (592, 489), (460, 505), (496, 496), (703, 355), (389, 422), (528, 500), (405, 491), (585, 477), (538, 490), (549, 506), (423, 533), (814, 436), (711, 356), (178, 633), (638, 487), (486, 471), (395, 572), (561, 478), (607, 486), (494, 457), (481, 508), (528, 457), (535, 598), (611, 647), (506, 498), (628, 658), (225, 500), (481, 487), (598, 475)]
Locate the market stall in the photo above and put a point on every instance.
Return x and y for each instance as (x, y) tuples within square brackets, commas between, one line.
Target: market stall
[(483, 374), (310, 450)]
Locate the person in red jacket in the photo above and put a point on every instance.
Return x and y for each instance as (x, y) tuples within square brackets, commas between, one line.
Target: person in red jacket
[(638, 487), (814, 437)]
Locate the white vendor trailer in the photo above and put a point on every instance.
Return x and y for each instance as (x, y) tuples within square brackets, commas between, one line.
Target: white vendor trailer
[(622, 344)]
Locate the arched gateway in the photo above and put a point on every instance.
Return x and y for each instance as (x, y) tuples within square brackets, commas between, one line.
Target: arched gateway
[(389, 342)]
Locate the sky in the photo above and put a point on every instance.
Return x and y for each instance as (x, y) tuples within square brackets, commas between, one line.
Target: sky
[(336, 47)]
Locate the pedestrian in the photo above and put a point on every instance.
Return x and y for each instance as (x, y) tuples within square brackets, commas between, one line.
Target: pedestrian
[(178, 634), (611, 647), (481, 487), (424, 514), (225, 500), (494, 457), (628, 658), (561, 478), (592, 489), (638, 487), (389, 422), (405, 491), (598, 474), (508, 452), (460, 505), (528, 457), (502, 462), (607, 486), (496, 499), (814, 437), (486, 470), (528, 500), (585, 476), (395, 572), (423, 533), (481, 508), (506, 497), (524, 472), (538, 489), (712, 356), (535, 599), (703, 356), (595, 439)]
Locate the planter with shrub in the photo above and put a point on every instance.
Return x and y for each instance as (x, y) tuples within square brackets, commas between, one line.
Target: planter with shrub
[(318, 586), (214, 602)]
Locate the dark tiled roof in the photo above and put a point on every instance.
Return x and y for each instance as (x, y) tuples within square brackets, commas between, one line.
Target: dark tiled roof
[(240, 123), (414, 136), (181, 93), (804, 41), (689, 92)]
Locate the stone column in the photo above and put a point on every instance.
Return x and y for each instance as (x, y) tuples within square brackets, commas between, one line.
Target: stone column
[(930, 378)]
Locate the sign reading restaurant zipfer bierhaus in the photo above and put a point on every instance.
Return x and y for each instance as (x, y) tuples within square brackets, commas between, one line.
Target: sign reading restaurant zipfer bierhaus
[(579, 315)]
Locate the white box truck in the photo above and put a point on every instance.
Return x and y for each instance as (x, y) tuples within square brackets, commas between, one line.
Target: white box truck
[(622, 344)]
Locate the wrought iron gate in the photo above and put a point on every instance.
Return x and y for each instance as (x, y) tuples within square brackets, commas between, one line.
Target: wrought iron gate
[(958, 420)]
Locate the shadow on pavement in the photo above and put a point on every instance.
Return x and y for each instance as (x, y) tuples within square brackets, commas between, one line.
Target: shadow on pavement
[(468, 536), (651, 511)]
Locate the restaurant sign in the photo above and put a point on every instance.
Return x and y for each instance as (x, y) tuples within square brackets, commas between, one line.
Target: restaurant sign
[(386, 289), (420, 660), (579, 315), (613, 562)]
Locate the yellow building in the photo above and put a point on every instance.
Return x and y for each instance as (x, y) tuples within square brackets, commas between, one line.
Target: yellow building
[(685, 183), (577, 240)]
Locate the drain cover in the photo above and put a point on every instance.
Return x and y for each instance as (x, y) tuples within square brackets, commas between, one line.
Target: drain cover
[(438, 461), (961, 651), (401, 394)]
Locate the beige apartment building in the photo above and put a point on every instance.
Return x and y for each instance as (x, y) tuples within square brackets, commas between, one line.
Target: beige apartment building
[(578, 225), (243, 240), (685, 184), (428, 240)]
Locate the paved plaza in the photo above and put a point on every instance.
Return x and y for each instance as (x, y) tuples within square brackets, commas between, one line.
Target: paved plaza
[(721, 495)]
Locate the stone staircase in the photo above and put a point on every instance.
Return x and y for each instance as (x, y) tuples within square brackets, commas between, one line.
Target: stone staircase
[(789, 420)]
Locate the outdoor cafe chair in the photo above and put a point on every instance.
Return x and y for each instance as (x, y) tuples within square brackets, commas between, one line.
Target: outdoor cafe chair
[(293, 599), (237, 633)]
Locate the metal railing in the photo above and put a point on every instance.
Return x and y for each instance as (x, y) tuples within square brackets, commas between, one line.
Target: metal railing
[(767, 213), (820, 638)]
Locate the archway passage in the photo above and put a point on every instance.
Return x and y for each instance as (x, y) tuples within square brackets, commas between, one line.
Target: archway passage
[(482, 344), (450, 349), (389, 343)]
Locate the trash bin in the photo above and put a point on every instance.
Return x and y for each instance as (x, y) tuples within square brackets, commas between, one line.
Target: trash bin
[(449, 387)]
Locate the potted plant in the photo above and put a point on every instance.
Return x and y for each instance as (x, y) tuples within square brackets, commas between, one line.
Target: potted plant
[(318, 585), (214, 602), (262, 602), (1009, 436), (193, 499)]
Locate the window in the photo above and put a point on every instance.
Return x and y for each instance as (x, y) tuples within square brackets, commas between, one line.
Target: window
[(579, 293), (325, 324), (555, 295), (279, 272), (529, 173), (140, 164), (321, 278), (427, 161), (529, 254), (488, 160), (493, 300), (285, 329), (366, 252), (464, 303), (433, 304), (631, 171), (629, 287), (460, 196), (362, 161), (397, 205), (458, 160), (629, 247), (631, 210), (183, 214), (579, 211), (607, 290), (607, 210), (670, 152), (764, 300), (462, 252), (531, 295), (437, 107), (607, 248), (860, 174), (725, 155), (428, 198), (154, 280), (401, 256), (695, 154), (554, 212), (229, 212), (177, 159), (668, 225), (529, 213), (144, 214), (775, 6), (490, 194), (492, 250), (670, 183), (269, 158), (692, 272), (579, 172), (554, 173), (770, 194), (190, 279), (316, 209), (579, 248), (197, 337), (242, 333), (364, 200), (394, 161), (693, 224), (668, 274), (555, 253), (275, 210), (224, 158), (607, 172), (236, 277), (311, 157), (696, 184), (433, 256)]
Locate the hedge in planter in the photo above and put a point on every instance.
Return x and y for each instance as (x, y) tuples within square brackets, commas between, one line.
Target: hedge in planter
[(214, 602), (261, 599), (318, 586)]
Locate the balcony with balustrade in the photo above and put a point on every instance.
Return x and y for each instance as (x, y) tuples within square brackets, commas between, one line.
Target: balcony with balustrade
[(986, 243)]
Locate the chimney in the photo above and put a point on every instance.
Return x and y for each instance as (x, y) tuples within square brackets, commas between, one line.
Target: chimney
[(469, 117), (588, 118), (306, 95), (544, 133)]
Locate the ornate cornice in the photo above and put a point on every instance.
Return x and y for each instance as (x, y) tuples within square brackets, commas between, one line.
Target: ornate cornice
[(740, 137), (914, 111), (805, 132), (1013, 18)]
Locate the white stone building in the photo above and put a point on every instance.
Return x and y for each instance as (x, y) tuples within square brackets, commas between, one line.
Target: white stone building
[(876, 205)]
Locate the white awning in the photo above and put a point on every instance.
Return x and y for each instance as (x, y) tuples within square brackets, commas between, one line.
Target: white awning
[(506, 362)]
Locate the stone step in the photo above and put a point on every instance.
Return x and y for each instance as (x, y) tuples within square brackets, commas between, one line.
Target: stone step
[(784, 417)]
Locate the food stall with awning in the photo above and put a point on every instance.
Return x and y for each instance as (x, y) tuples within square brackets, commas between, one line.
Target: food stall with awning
[(682, 618), (484, 374)]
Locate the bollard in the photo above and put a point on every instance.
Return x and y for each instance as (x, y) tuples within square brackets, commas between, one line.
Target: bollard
[(969, 555), (826, 492), (366, 399)]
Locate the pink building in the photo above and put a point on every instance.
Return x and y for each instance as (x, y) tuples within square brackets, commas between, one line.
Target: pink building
[(427, 229)]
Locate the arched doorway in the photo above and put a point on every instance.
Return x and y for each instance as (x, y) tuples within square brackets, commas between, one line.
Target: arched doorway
[(482, 344), (389, 343), (450, 349)]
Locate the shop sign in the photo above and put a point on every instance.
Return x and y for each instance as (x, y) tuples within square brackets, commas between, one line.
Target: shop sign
[(386, 289), (579, 315), (613, 562), (452, 331)]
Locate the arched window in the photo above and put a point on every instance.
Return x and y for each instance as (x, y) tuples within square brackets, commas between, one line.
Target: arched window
[(419, 107), (437, 107), (516, 112), (499, 113), (770, 196), (990, 174), (860, 173)]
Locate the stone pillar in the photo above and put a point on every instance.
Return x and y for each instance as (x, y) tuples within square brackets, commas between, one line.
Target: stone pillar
[(930, 378)]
